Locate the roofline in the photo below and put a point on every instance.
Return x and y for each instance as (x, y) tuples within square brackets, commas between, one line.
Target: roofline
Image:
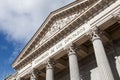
[(45, 21), (70, 4)]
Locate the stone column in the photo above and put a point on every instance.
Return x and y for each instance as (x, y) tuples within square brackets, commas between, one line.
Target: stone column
[(101, 58), (49, 71), (33, 75), (73, 63), (117, 61)]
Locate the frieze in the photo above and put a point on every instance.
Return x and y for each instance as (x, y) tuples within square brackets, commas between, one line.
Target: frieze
[(60, 45)]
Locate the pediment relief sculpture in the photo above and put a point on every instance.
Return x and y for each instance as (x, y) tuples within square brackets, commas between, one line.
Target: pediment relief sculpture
[(58, 25)]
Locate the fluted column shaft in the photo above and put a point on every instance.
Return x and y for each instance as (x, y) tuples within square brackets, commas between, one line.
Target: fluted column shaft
[(101, 58), (49, 71), (73, 64)]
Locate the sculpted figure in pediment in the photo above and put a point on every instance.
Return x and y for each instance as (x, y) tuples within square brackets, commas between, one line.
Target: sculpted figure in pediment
[(58, 25)]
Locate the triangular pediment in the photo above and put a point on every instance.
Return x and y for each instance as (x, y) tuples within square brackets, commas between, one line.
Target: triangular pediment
[(57, 26), (55, 21)]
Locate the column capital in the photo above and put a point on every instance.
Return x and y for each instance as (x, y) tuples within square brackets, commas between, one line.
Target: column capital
[(101, 57), (117, 16), (50, 64), (33, 74), (71, 49), (95, 33), (49, 70), (73, 62)]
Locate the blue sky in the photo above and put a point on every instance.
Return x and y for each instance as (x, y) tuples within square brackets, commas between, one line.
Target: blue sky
[(8, 52), (19, 20)]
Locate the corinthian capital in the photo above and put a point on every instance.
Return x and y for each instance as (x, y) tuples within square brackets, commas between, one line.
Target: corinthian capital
[(71, 49), (117, 16), (34, 74), (50, 63), (94, 33)]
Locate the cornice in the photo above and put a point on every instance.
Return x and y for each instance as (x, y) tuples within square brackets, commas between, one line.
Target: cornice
[(77, 20), (50, 18)]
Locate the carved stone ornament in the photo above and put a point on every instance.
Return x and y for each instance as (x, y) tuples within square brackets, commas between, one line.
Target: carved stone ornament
[(58, 25), (117, 16), (94, 33), (71, 49), (33, 75), (50, 64)]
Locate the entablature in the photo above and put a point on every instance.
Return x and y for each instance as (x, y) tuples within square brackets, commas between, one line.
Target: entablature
[(75, 23), (55, 15)]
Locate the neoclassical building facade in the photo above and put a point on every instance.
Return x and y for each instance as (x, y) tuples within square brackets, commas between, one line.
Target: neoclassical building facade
[(80, 41)]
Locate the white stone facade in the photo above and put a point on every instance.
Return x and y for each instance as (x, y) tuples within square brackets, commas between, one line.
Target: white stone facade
[(76, 46)]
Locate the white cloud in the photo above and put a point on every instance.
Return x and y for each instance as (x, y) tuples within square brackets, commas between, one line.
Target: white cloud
[(19, 19)]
